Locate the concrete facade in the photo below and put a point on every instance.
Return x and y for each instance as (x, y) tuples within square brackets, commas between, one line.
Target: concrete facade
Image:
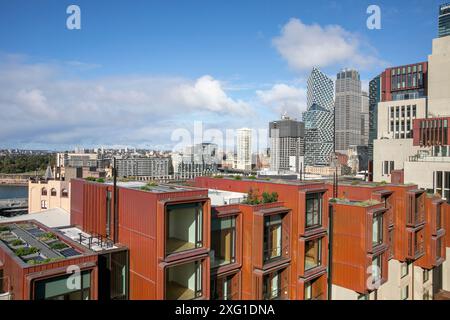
[(439, 78), (394, 153)]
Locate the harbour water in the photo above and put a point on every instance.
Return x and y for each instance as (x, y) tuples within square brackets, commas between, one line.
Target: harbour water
[(12, 192)]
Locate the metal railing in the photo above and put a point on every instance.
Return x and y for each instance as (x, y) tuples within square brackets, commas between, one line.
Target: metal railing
[(280, 252), (277, 294)]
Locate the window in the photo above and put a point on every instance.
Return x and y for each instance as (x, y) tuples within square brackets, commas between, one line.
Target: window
[(223, 241), (377, 230), (313, 254), (43, 204), (272, 286), (376, 269), (56, 288), (53, 192), (404, 269), (184, 227), (405, 293), (391, 242), (438, 248), (313, 290), (221, 288), (184, 281), (438, 217), (64, 193), (43, 191), (272, 237), (426, 275), (313, 210)]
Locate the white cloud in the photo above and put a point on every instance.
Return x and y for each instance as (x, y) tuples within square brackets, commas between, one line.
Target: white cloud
[(284, 98), (306, 46), (39, 105)]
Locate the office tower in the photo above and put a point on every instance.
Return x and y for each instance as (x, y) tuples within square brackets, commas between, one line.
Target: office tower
[(244, 149), (364, 118), (286, 143), (444, 20), (347, 110), (205, 153), (374, 98), (318, 119)]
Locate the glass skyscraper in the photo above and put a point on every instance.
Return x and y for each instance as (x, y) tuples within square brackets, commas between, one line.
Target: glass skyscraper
[(444, 20), (319, 119)]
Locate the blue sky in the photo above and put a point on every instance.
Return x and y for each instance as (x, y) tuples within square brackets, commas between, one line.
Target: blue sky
[(228, 63)]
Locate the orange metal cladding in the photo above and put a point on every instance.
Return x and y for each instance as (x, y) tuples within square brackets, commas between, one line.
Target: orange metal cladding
[(141, 216), (434, 234), (446, 222), (253, 263), (88, 206), (352, 245), (293, 197)]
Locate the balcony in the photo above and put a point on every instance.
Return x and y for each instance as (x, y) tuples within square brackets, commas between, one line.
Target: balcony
[(223, 241), (184, 227), (184, 281)]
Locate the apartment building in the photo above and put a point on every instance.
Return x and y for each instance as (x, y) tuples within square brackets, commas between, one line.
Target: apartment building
[(37, 263), (48, 194), (144, 168), (244, 149), (401, 253), (285, 248)]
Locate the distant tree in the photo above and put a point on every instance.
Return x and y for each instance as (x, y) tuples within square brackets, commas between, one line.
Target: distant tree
[(15, 164)]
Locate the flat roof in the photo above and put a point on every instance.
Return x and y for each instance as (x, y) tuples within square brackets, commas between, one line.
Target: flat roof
[(91, 242), (222, 197), (35, 244), (52, 218)]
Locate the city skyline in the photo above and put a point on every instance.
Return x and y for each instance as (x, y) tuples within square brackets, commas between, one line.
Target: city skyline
[(229, 75)]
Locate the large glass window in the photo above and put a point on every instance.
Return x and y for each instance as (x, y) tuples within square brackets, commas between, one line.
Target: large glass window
[(58, 289), (223, 241), (313, 210), (313, 253), (377, 230), (272, 286), (272, 237), (184, 282), (184, 227), (404, 269)]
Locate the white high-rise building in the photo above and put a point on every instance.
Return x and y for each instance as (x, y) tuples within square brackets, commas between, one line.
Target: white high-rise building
[(244, 149)]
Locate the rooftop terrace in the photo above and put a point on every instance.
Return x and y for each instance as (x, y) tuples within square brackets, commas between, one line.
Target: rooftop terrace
[(34, 244)]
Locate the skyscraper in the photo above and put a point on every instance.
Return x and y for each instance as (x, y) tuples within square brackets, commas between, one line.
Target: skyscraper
[(244, 149), (318, 119), (348, 110), (364, 118), (286, 144), (374, 98), (444, 20)]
